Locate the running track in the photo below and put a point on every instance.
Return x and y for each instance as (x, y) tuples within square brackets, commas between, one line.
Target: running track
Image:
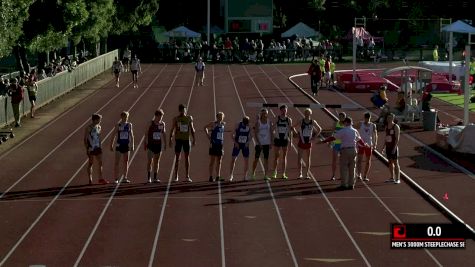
[(51, 217)]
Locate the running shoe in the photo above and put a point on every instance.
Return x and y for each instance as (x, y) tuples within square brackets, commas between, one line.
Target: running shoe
[(231, 178), (218, 178), (176, 179), (359, 177), (90, 180), (156, 180), (149, 180), (274, 175), (284, 176), (211, 179), (397, 181), (253, 177), (300, 176), (390, 180), (267, 178), (366, 179), (189, 179), (116, 181), (308, 177), (103, 181), (126, 180), (333, 178)]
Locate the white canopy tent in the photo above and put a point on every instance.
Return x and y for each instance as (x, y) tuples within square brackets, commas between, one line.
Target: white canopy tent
[(183, 31), (301, 30), (461, 27)]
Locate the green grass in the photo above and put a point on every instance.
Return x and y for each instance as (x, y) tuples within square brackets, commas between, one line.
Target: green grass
[(454, 99)]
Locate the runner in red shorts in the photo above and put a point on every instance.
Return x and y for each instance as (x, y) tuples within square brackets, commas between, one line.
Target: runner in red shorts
[(306, 130), (369, 134)]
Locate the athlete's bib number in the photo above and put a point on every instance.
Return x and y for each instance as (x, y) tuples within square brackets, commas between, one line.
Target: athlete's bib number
[(124, 135), (307, 132), (242, 139), (157, 135), (220, 136), (282, 130), (184, 128)]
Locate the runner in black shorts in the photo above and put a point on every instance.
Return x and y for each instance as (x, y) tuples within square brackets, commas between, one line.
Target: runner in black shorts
[(282, 137), (216, 138), (156, 139), (124, 144), (182, 128)]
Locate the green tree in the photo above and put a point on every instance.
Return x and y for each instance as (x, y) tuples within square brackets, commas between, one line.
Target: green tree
[(12, 15), (130, 15)]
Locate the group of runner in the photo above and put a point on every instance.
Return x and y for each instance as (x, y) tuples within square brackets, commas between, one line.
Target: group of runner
[(128, 63), (267, 133)]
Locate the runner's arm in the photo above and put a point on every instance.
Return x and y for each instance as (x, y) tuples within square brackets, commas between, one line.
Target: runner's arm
[(207, 126), (375, 136), (192, 130)]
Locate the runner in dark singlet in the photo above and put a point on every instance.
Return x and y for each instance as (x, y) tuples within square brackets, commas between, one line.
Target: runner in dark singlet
[(155, 142), (392, 152), (122, 143), (215, 133), (241, 137), (283, 135), (92, 143)]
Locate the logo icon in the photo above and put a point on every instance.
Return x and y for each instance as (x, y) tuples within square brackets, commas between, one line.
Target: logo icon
[(399, 231)]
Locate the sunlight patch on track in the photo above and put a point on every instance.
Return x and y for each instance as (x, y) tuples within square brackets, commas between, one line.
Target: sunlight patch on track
[(374, 233), (328, 260)]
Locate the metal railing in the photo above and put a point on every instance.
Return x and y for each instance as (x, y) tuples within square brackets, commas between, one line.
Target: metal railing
[(53, 87)]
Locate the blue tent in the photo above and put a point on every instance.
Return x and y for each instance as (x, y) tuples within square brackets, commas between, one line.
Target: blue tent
[(460, 27), (183, 31)]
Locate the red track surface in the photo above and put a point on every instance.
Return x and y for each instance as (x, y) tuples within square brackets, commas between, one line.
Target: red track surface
[(51, 217)]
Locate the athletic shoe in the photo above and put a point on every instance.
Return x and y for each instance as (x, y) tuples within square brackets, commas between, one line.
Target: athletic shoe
[(284, 176), (273, 175), (267, 178), (231, 178), (90, 180), (300, 176), (116, 181), (308, 177), (333, 178), (218, 178), (156, 180), (103, 181), (211, 179), (253, 177), (390, 180), (189, 179), (366, 179), (126, 180), (359, 177), (176, 179), (149, 180), (397, 181)]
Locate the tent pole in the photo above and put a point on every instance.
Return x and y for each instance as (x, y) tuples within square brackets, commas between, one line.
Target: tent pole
[(208, 21), (354, 52), (467, 88), (451, 57)]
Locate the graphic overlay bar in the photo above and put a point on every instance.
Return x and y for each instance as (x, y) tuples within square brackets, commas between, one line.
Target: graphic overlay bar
[(423, 235), (296, 105)]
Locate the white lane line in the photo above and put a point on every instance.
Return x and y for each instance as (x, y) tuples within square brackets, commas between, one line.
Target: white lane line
[(99, 220), (79, 128), (276, 207), (104, 210), (167, 192), (25, 234), (382, 202), (221, 221), (345, 228)]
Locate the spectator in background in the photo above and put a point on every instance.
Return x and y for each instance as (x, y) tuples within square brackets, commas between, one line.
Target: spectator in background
[(435, 53), (315, 76), (42, 75), (3, 87), (16, 92), (32, 88)]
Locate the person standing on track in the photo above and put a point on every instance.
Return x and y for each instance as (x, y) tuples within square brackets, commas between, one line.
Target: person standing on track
[(135, 68), (154, 143), (182, 129), (336, 144), (92, 143), (392, 152), (215, 133), (117, 69), (241, 143), (315, 76), (283, 135), (369, 134), (263, 132), (306, 131), (200, 72), (126, 59), (350, 138), (123, 146)]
